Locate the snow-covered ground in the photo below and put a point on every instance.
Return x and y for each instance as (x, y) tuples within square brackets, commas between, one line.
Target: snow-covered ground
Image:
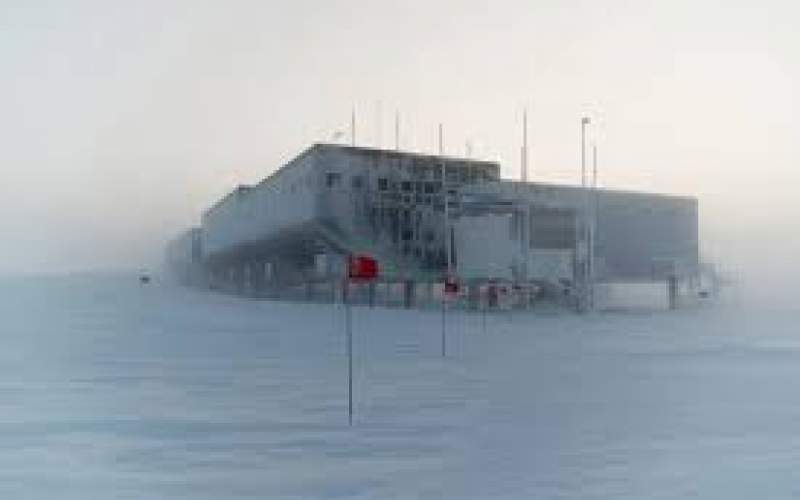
[(109, 389)]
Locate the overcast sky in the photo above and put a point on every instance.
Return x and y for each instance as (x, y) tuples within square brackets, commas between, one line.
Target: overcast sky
[(122, 121)]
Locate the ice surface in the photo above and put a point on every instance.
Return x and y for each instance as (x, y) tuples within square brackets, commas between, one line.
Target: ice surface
[(110, 389)]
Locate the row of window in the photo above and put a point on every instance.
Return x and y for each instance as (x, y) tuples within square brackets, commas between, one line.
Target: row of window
[(334, 180)]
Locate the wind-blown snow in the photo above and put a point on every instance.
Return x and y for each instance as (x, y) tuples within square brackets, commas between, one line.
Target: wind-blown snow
[(110, 389)]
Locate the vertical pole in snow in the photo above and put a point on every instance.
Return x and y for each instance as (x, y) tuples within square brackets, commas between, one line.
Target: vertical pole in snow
[(446, 234), (584, 265), (444, 325), (485, 305), (593, 227), (349, 331)]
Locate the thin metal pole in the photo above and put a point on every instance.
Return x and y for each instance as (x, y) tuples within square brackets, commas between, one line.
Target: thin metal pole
[(485, 305), (524, 166), (397, 131), (379, 125), (585, 232), (445, 196), (593, 235), (584, 122), (353, 127), (444, 324), (349, 329)]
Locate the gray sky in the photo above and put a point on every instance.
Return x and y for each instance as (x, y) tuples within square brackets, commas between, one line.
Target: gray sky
[(121, 121)]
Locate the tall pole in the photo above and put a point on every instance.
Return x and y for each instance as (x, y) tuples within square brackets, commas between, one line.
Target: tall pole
[(447, 250), (353, 127), (349, 328), (379, 125), (397, 131), (444, 324), (445, 193), (593, 227), (584, 122), (585, 233), (524, 174)]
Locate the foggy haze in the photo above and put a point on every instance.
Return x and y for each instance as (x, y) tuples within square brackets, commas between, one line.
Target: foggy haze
[(122, 122)]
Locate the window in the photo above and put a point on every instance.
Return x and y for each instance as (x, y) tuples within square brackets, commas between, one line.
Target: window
[(333, 179), (383, 184), (552, 229), (512, 227), (357, 182), (406, 186)]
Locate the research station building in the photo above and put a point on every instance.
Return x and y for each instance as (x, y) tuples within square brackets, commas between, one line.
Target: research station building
[(419, 214)]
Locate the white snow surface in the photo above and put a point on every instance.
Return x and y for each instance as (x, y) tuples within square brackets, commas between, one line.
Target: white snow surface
[(110, 389)]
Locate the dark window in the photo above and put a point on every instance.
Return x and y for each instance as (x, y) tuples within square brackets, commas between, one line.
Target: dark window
[(406, 186), (552, 229), (383, 184), (333, 179)]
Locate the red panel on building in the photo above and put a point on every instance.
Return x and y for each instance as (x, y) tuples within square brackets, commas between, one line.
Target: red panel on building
[(362, 268)]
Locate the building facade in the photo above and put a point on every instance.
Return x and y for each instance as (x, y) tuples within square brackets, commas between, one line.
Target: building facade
[(421, 214)]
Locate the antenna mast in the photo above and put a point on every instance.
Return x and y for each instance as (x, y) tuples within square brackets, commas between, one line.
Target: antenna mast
[(524, 163), (353, 127), (397, 130)]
